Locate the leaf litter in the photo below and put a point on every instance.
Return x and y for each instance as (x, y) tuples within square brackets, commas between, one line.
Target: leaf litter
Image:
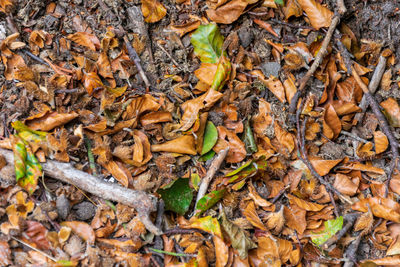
[(280, 118)]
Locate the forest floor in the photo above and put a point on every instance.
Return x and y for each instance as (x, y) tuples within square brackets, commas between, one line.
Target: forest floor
[(199, 133)]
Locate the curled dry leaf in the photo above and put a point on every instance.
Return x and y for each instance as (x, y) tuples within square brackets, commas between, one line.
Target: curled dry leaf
[(306, 205), (332, 120), (295, 218), (318, 15), (386, 261), (37, 234), (345, 185), (85, 39), (251, 215), (381, 142), (227, 13), (391, 111), (268, 251), (292, 8), (381, 207), (50, 120), (394, 248), (184, 144), (82, 229), (153, 11), (275, 221), (237, 150)]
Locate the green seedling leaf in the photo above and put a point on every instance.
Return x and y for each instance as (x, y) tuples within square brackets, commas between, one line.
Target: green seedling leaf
[(331, 228), (178, 196), (195, 181), (207, 42), (209, 155), (209, 200), (240, 241), (279, 2), (249, 141), (249, 169), (210, 137), (222, 74), (27, 167)]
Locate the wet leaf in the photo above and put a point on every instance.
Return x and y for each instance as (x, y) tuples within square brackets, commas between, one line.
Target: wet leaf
[(207, 42), (319, 15), (210, 137), (240, 241), (85, 39), (178, 197), (153, 11), (331, 227), (82, 229), (228, 12), (209, 200)]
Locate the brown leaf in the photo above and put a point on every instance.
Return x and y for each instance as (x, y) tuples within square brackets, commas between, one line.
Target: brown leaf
[(332, 120), (186, 28), (192, 107), (386, 80), (364, 222), (37, 234), (85, 39), (140, 105), (128, 245), (221, 252), (275, 221), (394, 248), (184, 144), (237, 151), (119, 172), (295, 218), (206, 72), (251, 215), (395, 183), (92, 81), (284, 138), (292, 8), (381, 142), (318, 15), (357, 166), (50, 120), (82, 229), (323, 166), (5, 254), (364, 151), (381, 207), (155, 117), (345, 185), (392, 111), (268, 252), (141, 149), (258, 200), (285, 247), (153, 11), (290, 87), (306, 205), (228, 12), (387, 261)]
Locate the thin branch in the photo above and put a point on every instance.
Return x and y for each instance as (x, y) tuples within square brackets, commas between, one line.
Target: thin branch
[(350, 220), (35, 249), (142, 202), (169, 55), (215, 165), (354, 136), (384, 125)]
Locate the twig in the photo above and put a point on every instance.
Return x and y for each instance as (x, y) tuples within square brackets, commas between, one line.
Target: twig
[(384, 125), (66, 91), (317, 61), (351, 252), (303, 153), (181, 231), (169, 55), (142, 202), (372, 86), (215, 165), (350, 219), (335, 208), (280, 193), (354, 136), (35, 249), (135, 58), (34, 57), (287, 24)]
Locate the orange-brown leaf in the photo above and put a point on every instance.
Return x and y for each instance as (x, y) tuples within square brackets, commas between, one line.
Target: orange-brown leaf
[(184, 144), (50, 120), (381, 142), (318, 15), (153, 11), (85, 39), (251, 215), (306, 205), (237, 150), (323, 166), (295, 218), (227, 13), (392, 111), (345, 185), (82, 229)]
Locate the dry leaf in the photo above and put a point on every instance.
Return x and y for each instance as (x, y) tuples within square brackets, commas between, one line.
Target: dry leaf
[(357, 166), (153, 11), (275, 221), (85, 39), (184, 145), (386, 80), (237, 151), (228, 12), (364, 222), (251, 215), (295, 218), (345, 185), (5, 254), (292, 8), (221, 252), (82, 229), (392, 111), (381, 142), (332, 120), (186, 28), (319, 15), (50, 120), (306, 205), (323, 166), (387, 261)]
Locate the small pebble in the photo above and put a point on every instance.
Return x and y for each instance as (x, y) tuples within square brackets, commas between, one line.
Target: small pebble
[(85, 210), (63, 206)]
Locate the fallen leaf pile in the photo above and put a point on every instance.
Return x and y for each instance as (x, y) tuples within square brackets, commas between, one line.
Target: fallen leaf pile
[(311, 191)]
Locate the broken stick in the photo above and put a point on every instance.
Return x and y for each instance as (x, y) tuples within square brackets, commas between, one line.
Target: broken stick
[(215, 165), (142, 202)]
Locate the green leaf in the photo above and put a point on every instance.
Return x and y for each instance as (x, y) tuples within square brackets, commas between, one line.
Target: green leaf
[(240, 241), (31, 136), (280, 2), (169, 253), (331, 228), (210, 137), (222, 74), (207, 156), (209, 200), (248, 169), (27, 167), (195, 181), (207, 42), (249, 141), (177, 197)]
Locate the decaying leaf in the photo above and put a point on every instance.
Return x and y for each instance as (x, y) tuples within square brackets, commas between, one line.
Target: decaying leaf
[(82, 229), (153, 10)]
